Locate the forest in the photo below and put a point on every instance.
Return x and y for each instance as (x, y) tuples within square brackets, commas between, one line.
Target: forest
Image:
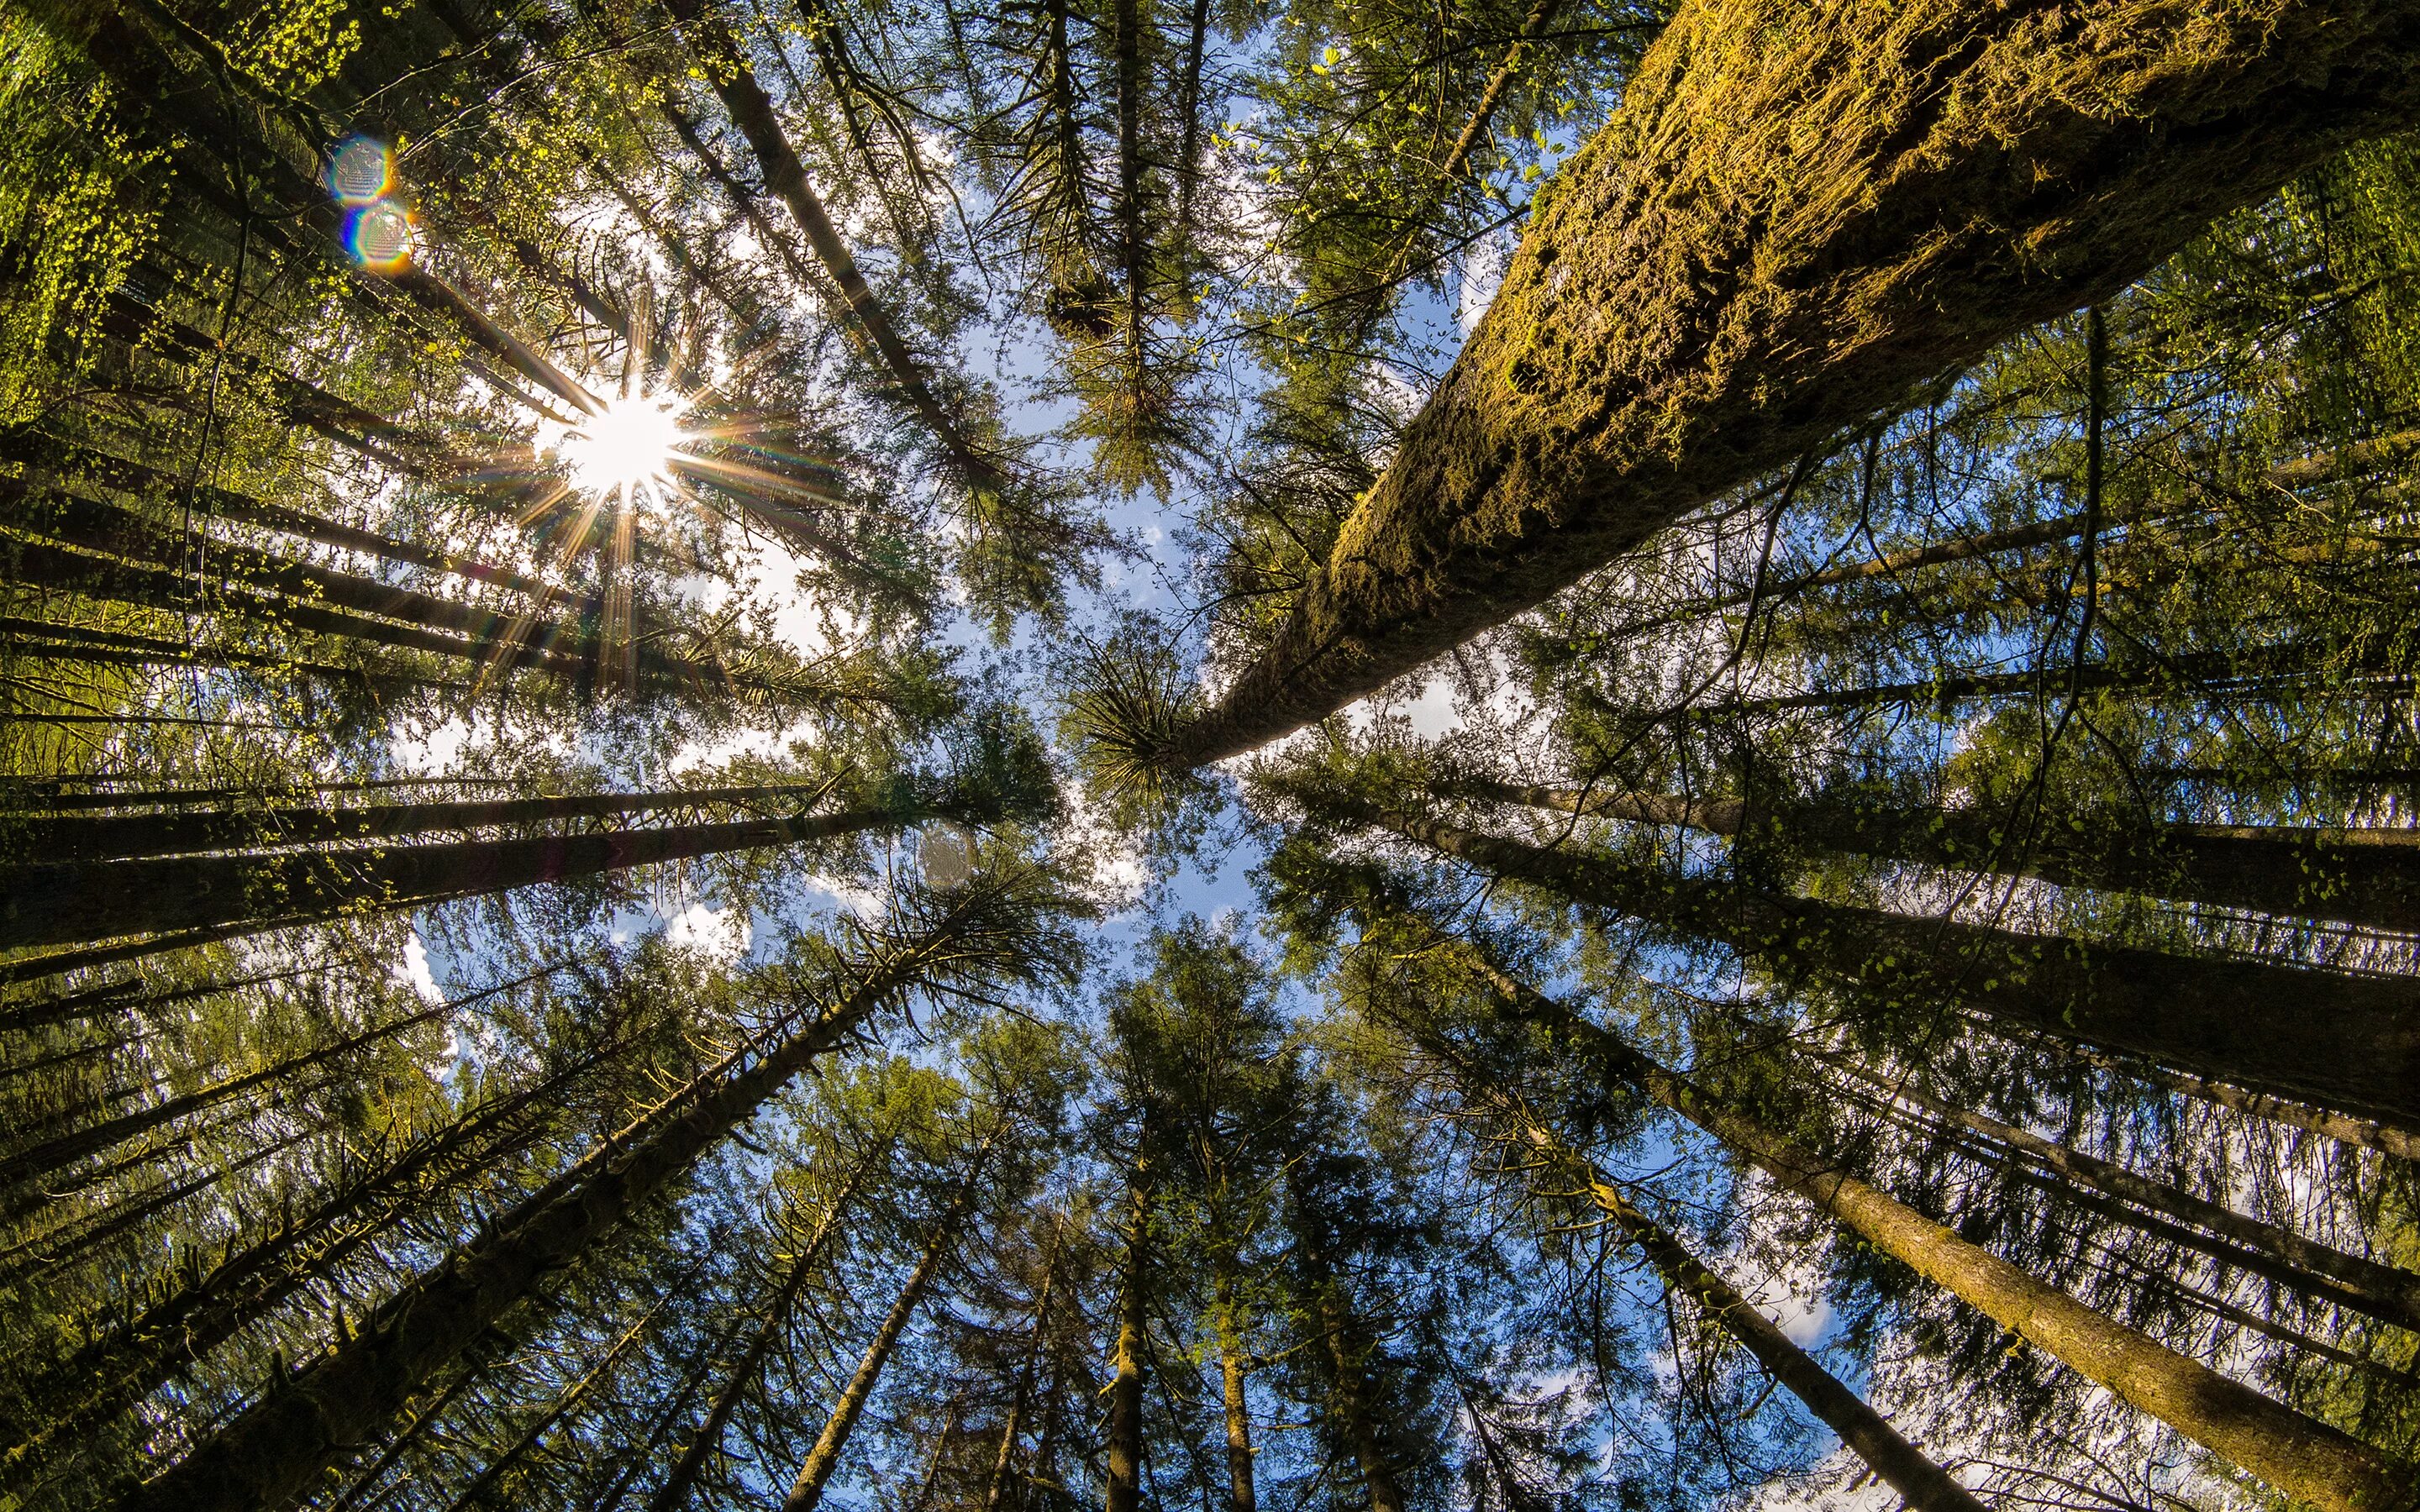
[(1210, 755)]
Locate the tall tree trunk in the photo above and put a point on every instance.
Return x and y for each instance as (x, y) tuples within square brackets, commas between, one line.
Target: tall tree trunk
[(107, 1376), (1124, 1490), (317, 1416), (2346, 1041), (486, 1487), (752, 111), (1346, 1342), (807, 1492), (1905, 1468), (127, 837), (73, 902), (2266, 1249), (996, 1484), (2370, 877), (2401, 1143), (1241, 1494), (1861, 198), (2298, 1455), (64, 1150), (775, 1318)]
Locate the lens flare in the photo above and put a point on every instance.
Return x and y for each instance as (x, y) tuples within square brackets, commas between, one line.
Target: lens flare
[(626, 447), (380, 237), (360, 171)]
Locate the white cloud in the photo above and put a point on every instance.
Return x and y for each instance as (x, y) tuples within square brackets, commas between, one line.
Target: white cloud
[(415, 970), (717, 933)]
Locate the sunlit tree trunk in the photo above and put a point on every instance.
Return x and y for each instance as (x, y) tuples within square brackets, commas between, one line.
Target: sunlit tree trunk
[(1125, 1491), (1796, 215), (775, 1316), (996, 1484), (1241, 1493)]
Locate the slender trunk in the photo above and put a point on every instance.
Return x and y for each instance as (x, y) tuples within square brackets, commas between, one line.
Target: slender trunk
[(2263, 1248), (1961, 194), (1134, 247), (2296, 1454), (106, 1378), (996, 1487), (127, 837), (751, 110), (27, 641), (483, 1488), (1242, 1496), (2346, 1041), (313, 1418), (2368, 877), (52, 1154), (1124, 1490), (1346, 1342), (773, 1320), (69, 461), (807, 1492), (2384, 1139), (1905, 1468), (73, 902)]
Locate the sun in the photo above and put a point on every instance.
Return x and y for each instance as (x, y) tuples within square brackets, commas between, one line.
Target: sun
[(626, 446)]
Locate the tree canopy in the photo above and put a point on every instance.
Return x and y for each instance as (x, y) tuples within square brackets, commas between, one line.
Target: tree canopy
[(1240, 755)]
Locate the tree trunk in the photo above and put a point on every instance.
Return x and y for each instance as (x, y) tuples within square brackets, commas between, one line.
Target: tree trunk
[(996, 1486), (807, 1492), (2263, 1248), (1346, 1345), (2346, 1041), (316, 1418), (1125, 1491), (73, 902), (1905, 1468), (2298, 1455), (707, 1439), (127, 837), (64, 1150), (484, 1487), (1795, 216), (1241, 1494), (2367, 877), (752, 112), (107, 1376)]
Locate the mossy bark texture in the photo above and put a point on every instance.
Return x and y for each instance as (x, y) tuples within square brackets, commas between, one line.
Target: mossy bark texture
[(1800, 212)]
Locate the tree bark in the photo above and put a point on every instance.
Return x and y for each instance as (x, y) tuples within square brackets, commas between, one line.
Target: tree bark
[(1795, 216), (317, 1416), (2298, 1455), (1346, 1344), (2346, 1041), (2367, 877), (996, 1486), (128, 837), (73, 902), (1124, 1490), (1242, 1495), (1901, 1465), (707, 1439), (2266, 1249), (807, 1492)]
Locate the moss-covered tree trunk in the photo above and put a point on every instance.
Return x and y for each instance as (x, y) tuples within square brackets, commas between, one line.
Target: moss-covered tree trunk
[(1124, 1487), (1798, 213)]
